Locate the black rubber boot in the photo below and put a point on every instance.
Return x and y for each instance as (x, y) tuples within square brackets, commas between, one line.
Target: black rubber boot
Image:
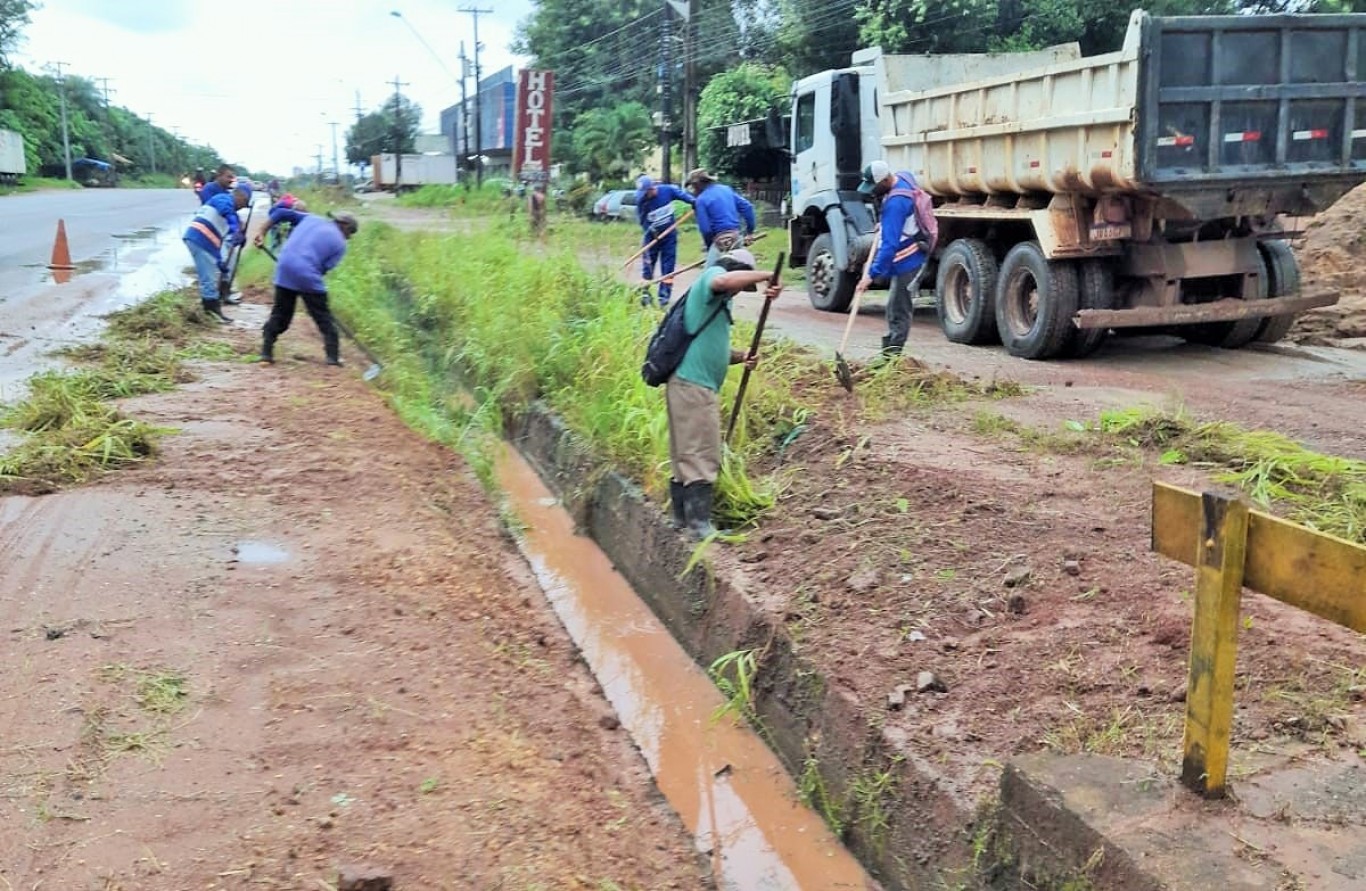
[(215, 309), (267, 351), (697, 501), (676, 496)]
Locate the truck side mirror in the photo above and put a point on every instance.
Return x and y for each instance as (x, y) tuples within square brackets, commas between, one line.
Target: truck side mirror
[(775, 129)]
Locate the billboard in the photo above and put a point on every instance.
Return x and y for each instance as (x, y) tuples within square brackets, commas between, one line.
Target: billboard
[(531, 148)]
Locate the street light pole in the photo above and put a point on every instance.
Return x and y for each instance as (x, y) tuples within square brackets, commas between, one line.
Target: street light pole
[(478, 95), (336, 160)]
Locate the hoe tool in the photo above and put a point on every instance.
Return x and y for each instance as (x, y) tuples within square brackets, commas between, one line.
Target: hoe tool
[(842, 371), (225, 279), (754, 347), (375, 367)]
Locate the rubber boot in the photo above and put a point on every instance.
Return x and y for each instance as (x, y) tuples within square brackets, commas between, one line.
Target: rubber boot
[(697, 500), (889, 353), (215, 309), (676, 496), (267, 351)]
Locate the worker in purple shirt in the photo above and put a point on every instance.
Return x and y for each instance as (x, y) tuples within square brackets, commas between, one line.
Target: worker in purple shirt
[(655, 213), (315, 246)]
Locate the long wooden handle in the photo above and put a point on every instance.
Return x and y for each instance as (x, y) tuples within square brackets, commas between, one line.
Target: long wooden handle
[(754, 347), (678, 222), (853, 309), (677, 271)]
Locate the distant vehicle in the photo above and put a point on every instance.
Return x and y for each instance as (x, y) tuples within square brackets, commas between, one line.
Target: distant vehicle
[(418, 171), (618, 204), (11, 156)]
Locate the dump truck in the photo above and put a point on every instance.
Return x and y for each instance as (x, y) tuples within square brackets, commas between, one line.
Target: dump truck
[(1151, 188), (12, 163)]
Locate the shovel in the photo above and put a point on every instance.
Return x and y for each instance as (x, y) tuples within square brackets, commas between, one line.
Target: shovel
[(842, 371), (753, 348), (375, 367)]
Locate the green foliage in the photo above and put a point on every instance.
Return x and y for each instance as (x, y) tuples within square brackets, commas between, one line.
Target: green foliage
[(743, 93), (397, 123), (609, 142), (13, 18)]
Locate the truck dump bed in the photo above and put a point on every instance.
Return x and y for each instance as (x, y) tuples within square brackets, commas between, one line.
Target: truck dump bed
[(1220, 115)]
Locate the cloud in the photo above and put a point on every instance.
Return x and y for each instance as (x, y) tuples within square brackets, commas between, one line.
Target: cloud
[(137, 16)]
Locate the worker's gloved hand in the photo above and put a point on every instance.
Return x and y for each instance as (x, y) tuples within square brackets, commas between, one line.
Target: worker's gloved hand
[(239, 239), (223, 266), (749, 239)]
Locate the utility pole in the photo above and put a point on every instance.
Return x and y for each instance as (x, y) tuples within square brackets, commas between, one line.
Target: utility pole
[(319, 147), (398, 135), (151, 145), (690, 88), (359, 115), (66, 134), (464, 114), (478, 94), (666, 97), (336, 159)]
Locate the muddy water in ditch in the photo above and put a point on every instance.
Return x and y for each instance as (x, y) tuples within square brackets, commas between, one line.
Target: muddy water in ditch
[(730, 790)]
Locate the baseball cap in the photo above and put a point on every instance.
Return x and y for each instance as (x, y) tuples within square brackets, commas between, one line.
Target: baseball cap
[(243, 186), (740, 258), (346, 219), (644, 184), (873, 174)]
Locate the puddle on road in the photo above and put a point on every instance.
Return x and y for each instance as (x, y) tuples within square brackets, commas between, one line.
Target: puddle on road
[(259, 553), (730, 790)]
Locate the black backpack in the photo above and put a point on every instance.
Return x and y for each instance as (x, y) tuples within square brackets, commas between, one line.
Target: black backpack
[(670, 342)]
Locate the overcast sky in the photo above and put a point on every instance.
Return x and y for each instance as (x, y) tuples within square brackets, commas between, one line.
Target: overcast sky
[(259, 79)]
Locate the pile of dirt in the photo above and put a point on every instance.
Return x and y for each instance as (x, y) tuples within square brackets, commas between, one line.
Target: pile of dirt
[(1332, 255)]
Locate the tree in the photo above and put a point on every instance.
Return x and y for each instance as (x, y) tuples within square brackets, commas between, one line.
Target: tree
[(13, 18), (744, 93), (399, 119), (610, 142)]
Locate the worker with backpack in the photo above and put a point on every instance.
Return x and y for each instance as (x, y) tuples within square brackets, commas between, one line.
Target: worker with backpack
[(909, 232)]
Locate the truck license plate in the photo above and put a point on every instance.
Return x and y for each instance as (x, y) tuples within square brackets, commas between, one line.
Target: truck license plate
[(1111, 233)]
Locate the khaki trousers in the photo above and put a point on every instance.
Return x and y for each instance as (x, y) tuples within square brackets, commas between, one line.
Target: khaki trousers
[(694, 432)]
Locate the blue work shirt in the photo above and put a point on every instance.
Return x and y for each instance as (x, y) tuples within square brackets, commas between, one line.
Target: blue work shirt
[(657, 214), (210, 189), (316, 245), (898, 249), (216, 220), (719, 209)]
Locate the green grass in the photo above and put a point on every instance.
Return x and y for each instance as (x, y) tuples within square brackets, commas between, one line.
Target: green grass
[(72, 432), (1323, 492)]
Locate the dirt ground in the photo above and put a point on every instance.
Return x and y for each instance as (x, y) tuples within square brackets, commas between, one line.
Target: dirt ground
[(299, 640)]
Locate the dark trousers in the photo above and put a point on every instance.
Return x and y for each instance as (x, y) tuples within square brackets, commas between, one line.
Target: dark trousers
[(282, 313), (666, 254)]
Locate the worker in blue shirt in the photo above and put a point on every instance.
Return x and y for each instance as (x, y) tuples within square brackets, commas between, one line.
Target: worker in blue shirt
[(221, 183), (315, 246), (900, 252), (655, 213), (719, 212), (216, 226)]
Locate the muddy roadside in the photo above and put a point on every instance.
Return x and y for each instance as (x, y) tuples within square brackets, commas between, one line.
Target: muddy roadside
[(297, 640)]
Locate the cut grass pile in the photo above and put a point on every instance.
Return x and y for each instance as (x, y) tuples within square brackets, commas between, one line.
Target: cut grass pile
[(71, 432), (1321, 491)]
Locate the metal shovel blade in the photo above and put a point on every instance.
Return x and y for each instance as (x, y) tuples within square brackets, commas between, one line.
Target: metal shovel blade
[(372, 372), (846, 377)]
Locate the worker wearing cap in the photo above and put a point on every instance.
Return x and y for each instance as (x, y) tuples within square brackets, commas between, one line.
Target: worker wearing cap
[(720, 209), (900, 250), (215, 227), (315, 246), (690, 394), (655, 213)]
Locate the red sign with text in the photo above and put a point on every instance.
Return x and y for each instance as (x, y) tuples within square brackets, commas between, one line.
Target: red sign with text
[(531, 151)]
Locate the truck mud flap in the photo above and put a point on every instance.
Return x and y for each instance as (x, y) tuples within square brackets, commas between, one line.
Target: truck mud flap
[(1216, 311)]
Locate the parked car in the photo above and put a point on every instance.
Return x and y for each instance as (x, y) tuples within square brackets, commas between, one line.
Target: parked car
[(618, 204)]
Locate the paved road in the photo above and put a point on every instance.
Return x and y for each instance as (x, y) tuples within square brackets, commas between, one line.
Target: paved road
[(125, 244)]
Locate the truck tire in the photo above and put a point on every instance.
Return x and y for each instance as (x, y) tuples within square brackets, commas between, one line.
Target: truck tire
[(965, 291), (1230, 335), (1285, 280), (1035, 301), (1096, 281), (828, 288)]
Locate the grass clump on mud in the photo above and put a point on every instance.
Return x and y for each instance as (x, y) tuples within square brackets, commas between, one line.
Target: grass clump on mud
[(70, 432), (516, 325), (1324, 492)]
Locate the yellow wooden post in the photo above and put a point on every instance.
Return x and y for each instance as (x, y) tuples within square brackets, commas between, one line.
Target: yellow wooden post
[(1214, 643)]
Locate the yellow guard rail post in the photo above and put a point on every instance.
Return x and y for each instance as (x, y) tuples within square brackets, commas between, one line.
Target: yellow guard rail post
[(1231, 548)]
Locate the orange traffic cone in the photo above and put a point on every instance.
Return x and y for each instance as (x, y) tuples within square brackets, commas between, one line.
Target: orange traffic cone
[(61, 252)]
